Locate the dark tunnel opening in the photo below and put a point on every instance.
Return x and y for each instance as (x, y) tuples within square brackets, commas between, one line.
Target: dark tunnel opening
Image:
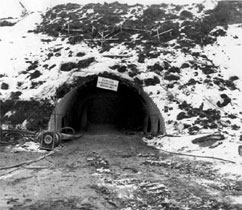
[(88, 107), (99, 109)]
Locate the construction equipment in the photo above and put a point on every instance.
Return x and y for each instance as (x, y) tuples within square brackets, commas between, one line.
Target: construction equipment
[(49, 139)]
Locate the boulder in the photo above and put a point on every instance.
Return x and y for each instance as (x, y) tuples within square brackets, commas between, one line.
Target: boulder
[(4, 86), (68, 66)]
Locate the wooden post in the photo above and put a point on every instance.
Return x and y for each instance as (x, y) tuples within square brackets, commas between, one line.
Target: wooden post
[(55, 112), (25, 12), (102, 40), (0, 119), (163, 32), (158, 33)]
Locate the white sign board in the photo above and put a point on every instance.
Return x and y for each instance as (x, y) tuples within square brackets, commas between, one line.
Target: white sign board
[(108, 84)]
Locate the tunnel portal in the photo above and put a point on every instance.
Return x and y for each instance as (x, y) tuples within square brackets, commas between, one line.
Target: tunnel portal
[(88, 107)]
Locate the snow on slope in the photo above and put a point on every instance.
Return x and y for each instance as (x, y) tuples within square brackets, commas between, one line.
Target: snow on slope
[(226, 52), (31, 63), (16, 45)]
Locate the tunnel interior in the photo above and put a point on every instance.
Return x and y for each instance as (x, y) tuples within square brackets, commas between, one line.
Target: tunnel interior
[(88, 108), (95, 108)]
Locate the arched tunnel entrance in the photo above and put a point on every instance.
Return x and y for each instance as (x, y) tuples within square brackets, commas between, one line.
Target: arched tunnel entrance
[(88, 107)]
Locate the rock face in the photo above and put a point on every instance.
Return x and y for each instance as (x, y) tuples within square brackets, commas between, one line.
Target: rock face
[(110, 19), (68, 66), (4, 86), (35, 74), (152, 81), (81, 64), (171, 77), (226, 100)]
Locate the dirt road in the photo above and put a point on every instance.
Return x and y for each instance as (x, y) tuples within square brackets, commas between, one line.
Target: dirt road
[(113, 171)]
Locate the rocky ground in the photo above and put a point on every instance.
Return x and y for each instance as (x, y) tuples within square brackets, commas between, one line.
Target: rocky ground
[(113, 171)]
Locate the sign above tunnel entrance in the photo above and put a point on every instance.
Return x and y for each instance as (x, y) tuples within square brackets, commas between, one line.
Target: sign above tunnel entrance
[(108, 84)]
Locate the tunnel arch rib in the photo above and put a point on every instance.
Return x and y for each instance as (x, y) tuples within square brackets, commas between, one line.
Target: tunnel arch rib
[(129, 108)]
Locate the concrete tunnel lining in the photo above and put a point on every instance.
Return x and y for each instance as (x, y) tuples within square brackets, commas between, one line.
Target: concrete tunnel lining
[(130, 108)]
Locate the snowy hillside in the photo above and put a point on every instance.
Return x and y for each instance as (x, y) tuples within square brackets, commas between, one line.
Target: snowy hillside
[(185, 57)]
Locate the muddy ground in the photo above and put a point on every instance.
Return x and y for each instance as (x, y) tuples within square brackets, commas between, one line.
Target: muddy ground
[(113, 171)]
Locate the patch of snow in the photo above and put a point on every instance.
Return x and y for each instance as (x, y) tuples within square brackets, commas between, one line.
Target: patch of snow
[(90, 11), (24, 124), (103, 170), (226, 53), (126, 191), (227, 149), (28, 147), (233, 171), (236, 199), (10, 8), (9, 113), (209, 4)]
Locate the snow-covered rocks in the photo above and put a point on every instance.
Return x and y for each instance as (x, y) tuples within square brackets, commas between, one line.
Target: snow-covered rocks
[(187, 63)]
